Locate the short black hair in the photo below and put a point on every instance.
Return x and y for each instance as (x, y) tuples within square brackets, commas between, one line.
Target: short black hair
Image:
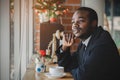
[(91, 13)]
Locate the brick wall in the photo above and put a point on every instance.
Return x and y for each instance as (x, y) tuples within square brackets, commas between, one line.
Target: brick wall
[(66, 22)]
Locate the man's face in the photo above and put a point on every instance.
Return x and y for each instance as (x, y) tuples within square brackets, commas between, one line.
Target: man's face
[(81, 25)]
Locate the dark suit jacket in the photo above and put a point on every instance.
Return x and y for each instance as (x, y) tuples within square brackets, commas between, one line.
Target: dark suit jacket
[(100, 61)]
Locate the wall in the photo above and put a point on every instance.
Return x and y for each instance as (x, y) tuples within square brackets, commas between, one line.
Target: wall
[(0, 40), (66, 22), (4, 40), (99, 7)]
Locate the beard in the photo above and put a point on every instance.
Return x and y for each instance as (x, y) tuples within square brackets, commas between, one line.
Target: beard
[(86, 34)]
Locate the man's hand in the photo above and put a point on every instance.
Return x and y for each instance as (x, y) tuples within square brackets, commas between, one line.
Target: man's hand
[(68, 40)]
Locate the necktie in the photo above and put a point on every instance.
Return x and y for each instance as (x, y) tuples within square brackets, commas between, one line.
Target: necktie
[(81, 53), (82, 48)]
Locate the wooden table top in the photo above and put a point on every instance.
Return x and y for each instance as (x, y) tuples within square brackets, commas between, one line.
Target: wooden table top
[(31, 74)]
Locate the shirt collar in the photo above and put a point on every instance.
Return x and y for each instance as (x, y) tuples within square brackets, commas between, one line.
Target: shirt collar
[(86, 41)]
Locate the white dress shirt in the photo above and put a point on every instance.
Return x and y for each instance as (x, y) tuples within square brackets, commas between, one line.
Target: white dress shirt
[(86, 41)]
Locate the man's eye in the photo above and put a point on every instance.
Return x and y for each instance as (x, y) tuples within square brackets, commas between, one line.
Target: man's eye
[(77, 22), (80, 21)]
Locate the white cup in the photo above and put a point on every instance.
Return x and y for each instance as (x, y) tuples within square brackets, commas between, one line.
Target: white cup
[(56, 70)]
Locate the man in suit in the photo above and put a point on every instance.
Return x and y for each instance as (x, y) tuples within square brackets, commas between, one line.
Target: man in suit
[(97, 56)]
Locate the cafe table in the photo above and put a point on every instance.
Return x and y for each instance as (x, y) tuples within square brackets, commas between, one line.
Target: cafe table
[(31, 74)]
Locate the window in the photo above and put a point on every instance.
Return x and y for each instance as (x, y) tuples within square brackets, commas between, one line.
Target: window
[(112, 10)]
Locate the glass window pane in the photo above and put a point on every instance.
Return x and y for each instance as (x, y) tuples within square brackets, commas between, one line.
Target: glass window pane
[(112, 10)]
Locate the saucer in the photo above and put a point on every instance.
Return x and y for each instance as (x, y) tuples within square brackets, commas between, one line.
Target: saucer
[(54, 76)]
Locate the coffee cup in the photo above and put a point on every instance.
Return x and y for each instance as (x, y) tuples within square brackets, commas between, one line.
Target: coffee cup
[(56, 70)]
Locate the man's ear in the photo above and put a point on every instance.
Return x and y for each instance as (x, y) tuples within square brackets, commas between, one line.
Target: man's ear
[(94, 23)]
